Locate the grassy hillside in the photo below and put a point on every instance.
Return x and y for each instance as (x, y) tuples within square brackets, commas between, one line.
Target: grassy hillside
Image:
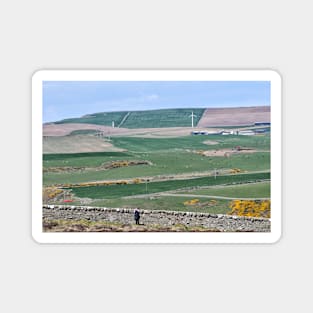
[(162, 118), (141, 119), (97, 118)]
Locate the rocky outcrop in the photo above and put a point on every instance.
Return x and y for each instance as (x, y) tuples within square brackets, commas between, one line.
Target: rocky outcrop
[(219, 222)]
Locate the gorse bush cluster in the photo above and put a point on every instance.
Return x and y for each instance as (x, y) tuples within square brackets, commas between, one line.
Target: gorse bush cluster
[(49, 193), (191, 202), (137, 180), (235, 170), (120, 164), (92, 184), (251, 208), (124, 163)]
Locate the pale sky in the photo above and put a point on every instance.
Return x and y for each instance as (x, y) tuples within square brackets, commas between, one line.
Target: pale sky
[(68, 99)]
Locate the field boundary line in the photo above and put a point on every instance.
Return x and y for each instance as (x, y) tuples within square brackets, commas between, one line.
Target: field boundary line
[(211, 197), (124, 119)]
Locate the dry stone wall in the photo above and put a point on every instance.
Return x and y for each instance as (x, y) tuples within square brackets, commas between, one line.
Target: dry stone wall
[(165, 218)]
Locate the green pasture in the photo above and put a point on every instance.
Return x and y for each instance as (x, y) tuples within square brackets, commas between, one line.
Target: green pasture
[(165, 203), (162, 146), (255, 190), (90, 159), (116, 191), (162, 118), (83, 132), (163, 163), (103, 118), (169, 156), (136, 144)]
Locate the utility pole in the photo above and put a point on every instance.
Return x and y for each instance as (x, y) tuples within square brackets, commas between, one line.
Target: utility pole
[(147, 180)]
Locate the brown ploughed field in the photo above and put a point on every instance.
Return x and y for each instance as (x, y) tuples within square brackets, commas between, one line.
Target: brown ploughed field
[(234, 116)]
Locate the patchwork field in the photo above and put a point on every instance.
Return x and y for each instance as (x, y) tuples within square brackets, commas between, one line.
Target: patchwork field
[(167, 157), (156, 173)]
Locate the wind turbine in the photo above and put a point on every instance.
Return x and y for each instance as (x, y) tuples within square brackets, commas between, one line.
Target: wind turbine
[(192, 116)]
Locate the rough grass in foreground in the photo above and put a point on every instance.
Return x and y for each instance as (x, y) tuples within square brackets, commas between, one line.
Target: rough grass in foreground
[(103, 226)]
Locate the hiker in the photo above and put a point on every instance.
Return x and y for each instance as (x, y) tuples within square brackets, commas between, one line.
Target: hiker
[(137, 216)]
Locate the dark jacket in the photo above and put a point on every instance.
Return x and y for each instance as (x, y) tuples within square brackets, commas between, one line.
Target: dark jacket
[(136, 215)]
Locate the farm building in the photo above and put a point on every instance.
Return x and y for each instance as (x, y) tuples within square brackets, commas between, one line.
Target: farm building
[(246, 132), (262, 130), (204, 133), (262, 124), (228, 132), (195, 132)]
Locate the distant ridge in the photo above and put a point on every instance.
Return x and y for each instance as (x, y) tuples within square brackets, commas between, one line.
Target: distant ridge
[(166, 118), (141, 119)]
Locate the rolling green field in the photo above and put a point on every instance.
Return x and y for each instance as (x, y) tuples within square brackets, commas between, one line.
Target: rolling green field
[(256, 190), (141, 119), (170, 156), (97, 118), (82, 159), (162, 118), (169, 163), (116, 191), (138, 146), (167, 157), (166, 203), (83, 132), (191, 142)]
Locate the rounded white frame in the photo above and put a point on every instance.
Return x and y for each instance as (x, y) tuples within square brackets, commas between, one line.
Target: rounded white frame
[(157, 75)]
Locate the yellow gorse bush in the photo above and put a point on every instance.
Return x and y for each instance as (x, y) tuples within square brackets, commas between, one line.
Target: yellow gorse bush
[(191, 202), (235, 170), (92, 184), (50, 193), (120, 164), (106, 183), (252, 208)]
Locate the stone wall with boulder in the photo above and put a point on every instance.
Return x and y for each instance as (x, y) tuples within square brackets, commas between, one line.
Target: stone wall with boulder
[(219, 222)]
